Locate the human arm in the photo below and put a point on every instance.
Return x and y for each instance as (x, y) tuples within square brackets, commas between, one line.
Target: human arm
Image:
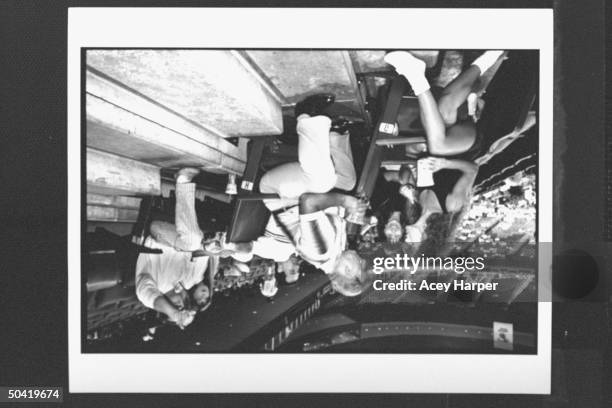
[(402, 176), (241, 251), (148, 293), (181, 317), (439, 163), (441, 139), (461, 191), (313, 202)]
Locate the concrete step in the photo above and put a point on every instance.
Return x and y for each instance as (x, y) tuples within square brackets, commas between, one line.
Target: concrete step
[(299, 73), (123, 122), (113, 201), (110, 174), (111, 214), (212, 88)]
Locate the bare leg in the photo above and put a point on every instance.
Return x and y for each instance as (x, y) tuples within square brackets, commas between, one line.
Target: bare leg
[(435, 128), (455, 93), (413, 70), (458, 90), (436, 117)]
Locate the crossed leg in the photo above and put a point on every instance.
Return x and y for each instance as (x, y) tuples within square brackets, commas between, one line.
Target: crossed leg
[(324, 161), (445, 137), (184, 234)]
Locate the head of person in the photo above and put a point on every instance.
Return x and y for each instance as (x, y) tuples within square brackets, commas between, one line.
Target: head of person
[(268, 287), (200, 296), (393, 228), (291, 268), (348, 276), (231, 267), (433, 229)]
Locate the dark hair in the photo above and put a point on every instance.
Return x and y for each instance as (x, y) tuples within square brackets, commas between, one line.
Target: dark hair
[(412, 212), (192, 304), (259, 266), (439, 230)]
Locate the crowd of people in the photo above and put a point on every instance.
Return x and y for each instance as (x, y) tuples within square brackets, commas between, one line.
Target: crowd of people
[(310, 221)]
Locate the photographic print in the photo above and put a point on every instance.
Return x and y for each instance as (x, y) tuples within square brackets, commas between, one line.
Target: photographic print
[(310, 200), (282, 203)]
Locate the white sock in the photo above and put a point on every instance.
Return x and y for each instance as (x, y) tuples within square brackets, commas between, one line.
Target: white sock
[(411, 67), (486, 60)]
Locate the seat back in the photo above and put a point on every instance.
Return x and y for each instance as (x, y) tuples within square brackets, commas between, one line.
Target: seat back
[(103, 270), (249, 220)]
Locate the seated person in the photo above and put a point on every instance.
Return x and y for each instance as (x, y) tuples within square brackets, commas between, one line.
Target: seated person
[(290, 268), (314, 231), (268, 286), (447, 133), (265, 247), (321, 239), (443, 204), (307, 220), (173, 282), (393, 228)]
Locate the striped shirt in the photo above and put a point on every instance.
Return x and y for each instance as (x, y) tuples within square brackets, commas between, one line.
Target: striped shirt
[(319, 237)]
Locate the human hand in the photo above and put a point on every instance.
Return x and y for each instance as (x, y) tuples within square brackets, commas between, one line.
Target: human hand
[(436, 163), (355, 204), (177, 298), (410, 193), (395, 129), (182, 318)]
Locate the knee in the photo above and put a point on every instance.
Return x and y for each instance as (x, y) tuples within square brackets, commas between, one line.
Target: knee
[(323, 184), (265, 186), (349, 181)]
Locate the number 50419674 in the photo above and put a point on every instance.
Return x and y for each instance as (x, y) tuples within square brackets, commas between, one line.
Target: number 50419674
[(30, 394)]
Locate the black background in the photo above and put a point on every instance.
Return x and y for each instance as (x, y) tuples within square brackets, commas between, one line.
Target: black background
[(33, 161)]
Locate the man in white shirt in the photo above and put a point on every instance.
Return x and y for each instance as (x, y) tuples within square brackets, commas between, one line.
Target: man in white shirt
[(172, 282)]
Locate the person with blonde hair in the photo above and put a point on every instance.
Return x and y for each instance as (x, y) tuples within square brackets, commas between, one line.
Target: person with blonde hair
[(309, 216)]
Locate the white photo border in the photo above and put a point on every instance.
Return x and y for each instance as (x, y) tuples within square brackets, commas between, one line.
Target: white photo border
[(309, 28)]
